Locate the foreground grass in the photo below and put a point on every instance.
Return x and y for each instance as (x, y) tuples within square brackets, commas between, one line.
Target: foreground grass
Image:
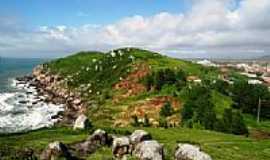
[(220, 146), (38, 140)]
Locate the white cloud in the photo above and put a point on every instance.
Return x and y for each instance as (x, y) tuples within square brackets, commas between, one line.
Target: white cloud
[(210, 28)]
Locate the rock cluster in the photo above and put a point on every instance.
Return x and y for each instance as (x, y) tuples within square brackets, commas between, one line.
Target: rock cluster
[(52, 87), (139, 144)]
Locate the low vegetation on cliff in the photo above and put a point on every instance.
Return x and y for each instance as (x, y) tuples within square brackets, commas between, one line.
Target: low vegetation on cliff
[(131, 88)]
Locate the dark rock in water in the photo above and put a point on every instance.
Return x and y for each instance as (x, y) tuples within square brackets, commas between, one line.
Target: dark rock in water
[(23, 102), (55, 116), (28, 92), (56, 150)]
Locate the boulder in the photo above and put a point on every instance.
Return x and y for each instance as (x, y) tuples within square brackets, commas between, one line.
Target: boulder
[(93, 142), (82, 122), (120, 146), (149, 150), (100, 137), (139, 136), (190, 152), (55, 151)]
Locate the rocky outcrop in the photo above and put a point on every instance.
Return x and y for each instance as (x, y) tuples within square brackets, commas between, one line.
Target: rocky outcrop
[(149, 150), (82, 122), (121, 147), (55, 151), (190, 152), (55, 90)]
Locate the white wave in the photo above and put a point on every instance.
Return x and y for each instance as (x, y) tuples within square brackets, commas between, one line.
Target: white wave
[(21, 111)]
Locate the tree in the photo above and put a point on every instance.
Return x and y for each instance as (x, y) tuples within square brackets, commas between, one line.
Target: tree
[(238, 124), (187, 111), (166, 110), (246, 96), (227, 120)]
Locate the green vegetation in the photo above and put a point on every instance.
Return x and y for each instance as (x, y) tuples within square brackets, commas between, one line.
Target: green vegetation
[(167, 85), (220, 146)]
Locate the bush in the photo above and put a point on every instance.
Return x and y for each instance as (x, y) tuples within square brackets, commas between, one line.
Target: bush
[(163, 77), (238, 125), (166, 110), (163, 122), (187, 111)]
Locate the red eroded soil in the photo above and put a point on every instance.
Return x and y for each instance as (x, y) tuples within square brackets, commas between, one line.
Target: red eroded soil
[(130, 85), (151, 108)]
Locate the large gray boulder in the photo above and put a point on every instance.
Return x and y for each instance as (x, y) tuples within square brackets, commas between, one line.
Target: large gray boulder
[(190, 152), (139, 136), (82, 122), (56, 150), (120, 146), (149, 150)]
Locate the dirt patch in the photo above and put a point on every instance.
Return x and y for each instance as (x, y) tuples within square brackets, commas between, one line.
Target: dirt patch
[(259, 134), (130, 85), (151, 108)]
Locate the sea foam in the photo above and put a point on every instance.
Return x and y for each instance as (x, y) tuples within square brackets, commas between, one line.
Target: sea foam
[(25, 110)]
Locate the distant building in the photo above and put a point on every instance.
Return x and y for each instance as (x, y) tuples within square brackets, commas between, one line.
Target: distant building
[(254, 81), (207, 63)]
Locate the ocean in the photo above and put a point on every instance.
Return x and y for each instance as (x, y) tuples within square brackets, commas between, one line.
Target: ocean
[(21, 108), (11, 68)]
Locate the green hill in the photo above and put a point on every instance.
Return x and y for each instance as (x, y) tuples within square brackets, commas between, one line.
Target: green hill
[(129, 88)]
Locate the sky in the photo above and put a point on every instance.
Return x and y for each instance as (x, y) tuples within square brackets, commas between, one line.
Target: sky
[(179, 28)]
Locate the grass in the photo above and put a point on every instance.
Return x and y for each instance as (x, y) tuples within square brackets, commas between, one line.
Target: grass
[(39, 139), (220, 146), (221, 102), (251, 121)]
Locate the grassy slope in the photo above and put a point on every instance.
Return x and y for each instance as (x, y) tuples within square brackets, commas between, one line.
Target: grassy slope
[(218, 145)]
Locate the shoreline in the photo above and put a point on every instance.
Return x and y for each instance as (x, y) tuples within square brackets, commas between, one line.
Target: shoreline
[(25, 109)]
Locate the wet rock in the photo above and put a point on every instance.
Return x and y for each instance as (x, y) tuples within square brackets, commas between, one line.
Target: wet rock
[(55, 151), (82, 122), (190, 152), (149, 150), (121, 146)]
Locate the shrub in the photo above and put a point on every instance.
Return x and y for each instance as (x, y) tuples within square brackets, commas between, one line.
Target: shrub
[(163, 122), (238, 125), (166, 110)]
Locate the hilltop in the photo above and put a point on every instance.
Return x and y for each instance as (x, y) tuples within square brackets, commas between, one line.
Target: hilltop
[(115, 83), (174, 100)]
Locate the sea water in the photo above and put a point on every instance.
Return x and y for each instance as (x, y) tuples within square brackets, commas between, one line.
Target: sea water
[(21, 108)]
